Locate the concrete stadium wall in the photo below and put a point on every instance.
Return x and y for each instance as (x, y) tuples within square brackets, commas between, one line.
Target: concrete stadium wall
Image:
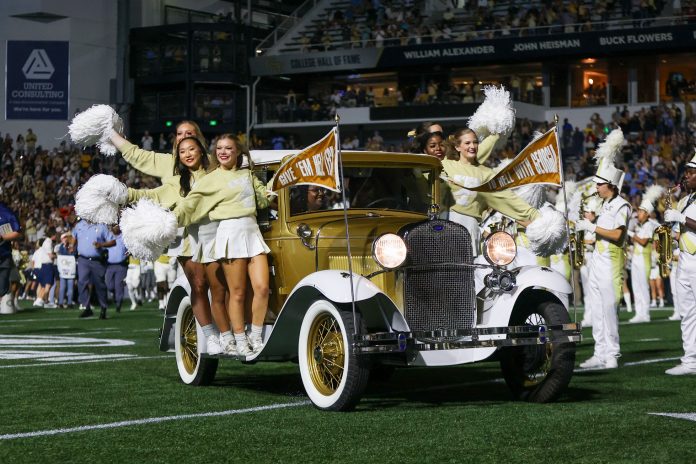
[(90, 27)]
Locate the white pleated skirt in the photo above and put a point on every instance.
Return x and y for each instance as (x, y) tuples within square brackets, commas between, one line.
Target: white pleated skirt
[(177, 247), (239, 238), (202, 240)]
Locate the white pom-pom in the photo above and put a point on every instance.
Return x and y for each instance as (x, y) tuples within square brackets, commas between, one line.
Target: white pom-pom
[(99, 199), (547, 234), (147, 229), (96, 209), (533, 194), (611, 146), (94, 126), (109, 186), (495, 115)]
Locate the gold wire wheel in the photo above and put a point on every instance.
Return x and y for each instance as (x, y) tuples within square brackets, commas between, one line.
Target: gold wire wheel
[(326, 354), (189, 341)]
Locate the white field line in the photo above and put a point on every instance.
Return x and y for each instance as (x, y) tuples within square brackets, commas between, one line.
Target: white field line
[(628, 364), (687, 416), (129, 358), (150, 420), (67, 318)]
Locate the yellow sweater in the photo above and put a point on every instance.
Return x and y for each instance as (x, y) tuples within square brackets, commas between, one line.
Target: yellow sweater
[(149, 162), (506, 201), (222, 194), (167, 195)]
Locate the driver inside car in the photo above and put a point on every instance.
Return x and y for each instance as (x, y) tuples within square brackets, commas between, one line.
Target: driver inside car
[(308, 198)]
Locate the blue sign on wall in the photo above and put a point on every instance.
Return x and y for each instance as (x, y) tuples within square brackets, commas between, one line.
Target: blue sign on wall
[(37, 81)]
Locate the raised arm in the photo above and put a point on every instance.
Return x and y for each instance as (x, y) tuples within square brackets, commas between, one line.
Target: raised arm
[(485, 148), (148, 162)]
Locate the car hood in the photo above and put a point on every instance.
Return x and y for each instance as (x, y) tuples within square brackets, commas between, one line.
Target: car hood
[(363, 229)]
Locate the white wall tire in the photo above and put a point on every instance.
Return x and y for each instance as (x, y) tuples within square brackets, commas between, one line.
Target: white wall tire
[(333, 377), (193, 370)]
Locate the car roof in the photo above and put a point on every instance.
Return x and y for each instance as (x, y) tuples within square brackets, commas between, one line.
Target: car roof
[(268, 157)]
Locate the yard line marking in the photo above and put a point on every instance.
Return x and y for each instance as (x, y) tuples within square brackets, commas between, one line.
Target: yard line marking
[(628, 364), (650, 340), (151, 420), (67, 318), (84, 362), (687, 416), (650, 361)]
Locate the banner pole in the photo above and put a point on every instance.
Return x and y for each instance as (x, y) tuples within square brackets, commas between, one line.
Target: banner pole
[(345, 221), (567, 224)]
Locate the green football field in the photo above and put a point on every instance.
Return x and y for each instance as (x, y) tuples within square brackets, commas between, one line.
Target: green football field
[(92, 391)]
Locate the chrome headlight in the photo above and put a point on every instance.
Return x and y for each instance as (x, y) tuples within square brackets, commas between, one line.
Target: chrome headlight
[(500, 249), (389, 250)]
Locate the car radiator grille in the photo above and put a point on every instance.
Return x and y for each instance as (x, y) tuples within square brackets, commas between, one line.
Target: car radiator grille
[(439, 297)]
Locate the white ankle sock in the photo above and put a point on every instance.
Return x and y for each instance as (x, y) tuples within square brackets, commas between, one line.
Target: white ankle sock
[(256, 330), (226, 337), (209, 330), (240, 337), (627, 299)]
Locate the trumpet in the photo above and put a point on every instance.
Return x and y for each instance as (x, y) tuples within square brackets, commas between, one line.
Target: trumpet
[(664, 243)]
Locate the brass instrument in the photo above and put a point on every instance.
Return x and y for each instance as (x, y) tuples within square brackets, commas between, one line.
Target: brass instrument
[(577, 239), (664, 245)]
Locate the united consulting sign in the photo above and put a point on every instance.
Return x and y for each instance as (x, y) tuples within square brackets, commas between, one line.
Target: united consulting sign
[(37, 80)]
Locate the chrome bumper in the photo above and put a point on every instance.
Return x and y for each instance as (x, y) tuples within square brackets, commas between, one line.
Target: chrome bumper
[(482, 337)]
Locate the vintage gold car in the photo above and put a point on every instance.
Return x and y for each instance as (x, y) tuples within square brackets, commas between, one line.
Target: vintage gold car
[(409, 295)]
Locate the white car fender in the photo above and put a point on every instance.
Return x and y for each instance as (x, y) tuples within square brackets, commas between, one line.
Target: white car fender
[(335, 285), (497, 311)]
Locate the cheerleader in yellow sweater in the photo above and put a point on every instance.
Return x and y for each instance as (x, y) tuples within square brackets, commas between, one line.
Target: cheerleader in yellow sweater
[(229, 196), (179, 171), (462, 167)]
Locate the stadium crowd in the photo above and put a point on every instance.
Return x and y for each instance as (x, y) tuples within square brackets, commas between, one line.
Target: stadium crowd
[(382, 23), (38, 185)]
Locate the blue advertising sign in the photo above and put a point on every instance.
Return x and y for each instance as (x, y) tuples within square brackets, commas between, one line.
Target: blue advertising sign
[(37, 80)]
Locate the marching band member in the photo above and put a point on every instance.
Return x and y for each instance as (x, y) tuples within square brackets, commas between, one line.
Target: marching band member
[(642, 239), (133, 282), (592, 207), (606, 270), (685, 215)]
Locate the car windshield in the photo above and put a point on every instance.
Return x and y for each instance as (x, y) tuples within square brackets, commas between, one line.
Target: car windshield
[(405, 189)]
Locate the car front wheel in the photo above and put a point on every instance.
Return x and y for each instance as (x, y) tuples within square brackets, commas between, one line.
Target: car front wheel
[(333, 377), (193, 370), (539, 373)]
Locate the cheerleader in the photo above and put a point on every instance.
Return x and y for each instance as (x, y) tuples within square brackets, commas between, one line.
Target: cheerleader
[(179, 172), (463, 170), (229, 197)]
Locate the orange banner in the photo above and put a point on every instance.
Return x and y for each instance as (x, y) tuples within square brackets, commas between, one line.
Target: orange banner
[(315, 165), (538, 163)]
